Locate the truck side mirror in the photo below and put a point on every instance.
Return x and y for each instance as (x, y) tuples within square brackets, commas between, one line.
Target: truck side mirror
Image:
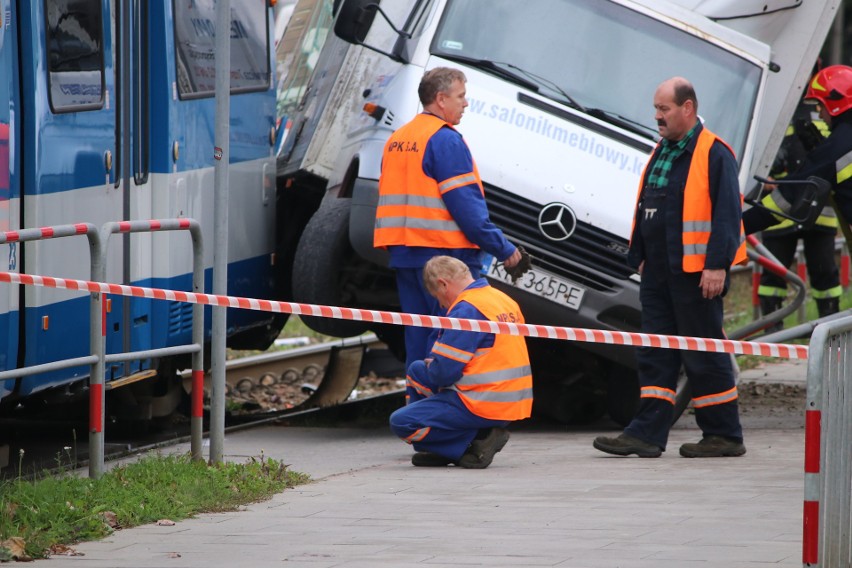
[(354, 18)]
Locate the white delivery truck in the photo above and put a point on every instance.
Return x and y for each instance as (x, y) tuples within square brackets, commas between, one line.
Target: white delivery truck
[(560, 124)]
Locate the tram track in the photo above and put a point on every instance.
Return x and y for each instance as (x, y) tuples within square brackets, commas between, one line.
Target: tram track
[(318, 384)]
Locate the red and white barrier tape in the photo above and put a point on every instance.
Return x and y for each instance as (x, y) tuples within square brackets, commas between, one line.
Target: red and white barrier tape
[(545, 331)]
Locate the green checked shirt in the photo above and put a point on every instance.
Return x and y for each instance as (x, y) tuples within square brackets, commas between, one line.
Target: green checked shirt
[(659, 174)]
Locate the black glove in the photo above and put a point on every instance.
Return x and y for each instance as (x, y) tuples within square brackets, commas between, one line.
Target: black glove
[(524, 265), (809, 134)]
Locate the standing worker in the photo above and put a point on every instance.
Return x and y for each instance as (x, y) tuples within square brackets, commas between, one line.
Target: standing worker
[(431, 202), (472, 384), (831, 90), (804, 134), (687, 232)]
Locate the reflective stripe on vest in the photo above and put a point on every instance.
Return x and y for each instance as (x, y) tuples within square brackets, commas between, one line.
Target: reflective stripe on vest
[(411, 211), (844, 167), (698, 209), (497, 382), (714, 399), (658, 392)]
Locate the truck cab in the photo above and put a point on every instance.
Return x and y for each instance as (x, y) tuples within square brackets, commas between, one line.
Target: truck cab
[(560, 123)]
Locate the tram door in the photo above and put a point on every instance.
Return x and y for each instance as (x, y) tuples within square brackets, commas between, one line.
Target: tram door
[(8, 195), (68, 111)]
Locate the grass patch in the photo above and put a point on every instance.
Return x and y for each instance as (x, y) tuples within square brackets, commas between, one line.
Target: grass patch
[(43, 516)]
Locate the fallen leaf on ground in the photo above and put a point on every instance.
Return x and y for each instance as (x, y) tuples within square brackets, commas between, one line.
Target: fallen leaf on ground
[(63, 550), (16, 547)]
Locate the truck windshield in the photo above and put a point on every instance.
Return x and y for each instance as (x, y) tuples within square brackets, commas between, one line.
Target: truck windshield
[(608, 58)]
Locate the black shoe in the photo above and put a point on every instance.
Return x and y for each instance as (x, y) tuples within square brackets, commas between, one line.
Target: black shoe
[(480, 453), (713, 447), (429, 459), (625, 445)]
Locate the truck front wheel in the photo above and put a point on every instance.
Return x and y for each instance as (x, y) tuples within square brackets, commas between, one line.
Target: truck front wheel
[(327, 271)]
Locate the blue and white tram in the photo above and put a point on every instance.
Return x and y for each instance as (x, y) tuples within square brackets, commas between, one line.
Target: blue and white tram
[(111, 117)]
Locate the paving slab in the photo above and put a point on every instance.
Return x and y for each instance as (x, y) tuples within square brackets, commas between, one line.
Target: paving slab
[(549, 499)]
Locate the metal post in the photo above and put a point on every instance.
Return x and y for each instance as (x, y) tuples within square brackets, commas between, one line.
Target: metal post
[(802, 271), (197, 411), (220, 215), (97, 345)]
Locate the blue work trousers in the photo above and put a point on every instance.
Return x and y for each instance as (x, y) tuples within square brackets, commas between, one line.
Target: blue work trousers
[(440, 424), (672, 305), (415, 299)]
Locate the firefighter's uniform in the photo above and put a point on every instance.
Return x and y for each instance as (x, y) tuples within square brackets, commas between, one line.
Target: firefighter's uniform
[(831, 160), (691, 223), (474, 380), (818, 241)]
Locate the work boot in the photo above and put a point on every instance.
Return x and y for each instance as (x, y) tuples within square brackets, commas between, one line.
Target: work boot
[(429, 459), (625, 445), (827, 306), (713, 447), (480, 453)]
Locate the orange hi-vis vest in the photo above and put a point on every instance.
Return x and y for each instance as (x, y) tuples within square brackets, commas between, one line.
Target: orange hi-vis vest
[(697, 207), (496, 382), (411, 211)]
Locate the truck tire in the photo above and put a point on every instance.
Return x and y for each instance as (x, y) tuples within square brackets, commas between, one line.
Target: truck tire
[(323, 263)]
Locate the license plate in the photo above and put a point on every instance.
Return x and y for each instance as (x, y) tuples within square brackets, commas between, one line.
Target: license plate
[(544, 284)]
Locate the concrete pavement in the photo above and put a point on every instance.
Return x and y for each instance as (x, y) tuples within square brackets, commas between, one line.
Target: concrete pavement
[(549, 499)]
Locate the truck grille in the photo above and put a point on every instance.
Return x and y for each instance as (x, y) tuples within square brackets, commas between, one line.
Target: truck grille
[(588, 247)]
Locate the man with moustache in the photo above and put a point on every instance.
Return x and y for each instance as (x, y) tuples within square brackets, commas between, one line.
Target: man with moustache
[(687, 232)]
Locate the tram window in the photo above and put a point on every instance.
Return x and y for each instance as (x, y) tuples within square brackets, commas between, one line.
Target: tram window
[(75, 58), (195, 39)]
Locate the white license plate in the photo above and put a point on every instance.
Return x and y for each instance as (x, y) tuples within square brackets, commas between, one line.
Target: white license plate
[(544, 284)]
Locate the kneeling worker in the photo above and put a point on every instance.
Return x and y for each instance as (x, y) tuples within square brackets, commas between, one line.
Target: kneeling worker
[(472, 384)]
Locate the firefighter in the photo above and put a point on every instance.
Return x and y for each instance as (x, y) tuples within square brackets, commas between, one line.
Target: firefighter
[(472, 384), (831, 90), (806, 131), (687, 232)]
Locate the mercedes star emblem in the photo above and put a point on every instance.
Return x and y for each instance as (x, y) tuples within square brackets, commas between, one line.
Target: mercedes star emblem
[(557, 221)]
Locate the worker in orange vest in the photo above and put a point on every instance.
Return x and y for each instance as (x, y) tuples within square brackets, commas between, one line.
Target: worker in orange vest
[(431, 201), (472, 384), (687, 233)]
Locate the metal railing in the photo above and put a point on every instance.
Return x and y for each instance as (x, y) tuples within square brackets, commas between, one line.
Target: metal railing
[(98, 358), (827, 516)]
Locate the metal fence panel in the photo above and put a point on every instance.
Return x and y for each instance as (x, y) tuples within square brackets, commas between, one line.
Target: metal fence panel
[(827, 521)]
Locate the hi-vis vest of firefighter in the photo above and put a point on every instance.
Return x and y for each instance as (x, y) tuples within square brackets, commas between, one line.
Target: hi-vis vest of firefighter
[(411, 211), (496, 382), (697, 206)]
